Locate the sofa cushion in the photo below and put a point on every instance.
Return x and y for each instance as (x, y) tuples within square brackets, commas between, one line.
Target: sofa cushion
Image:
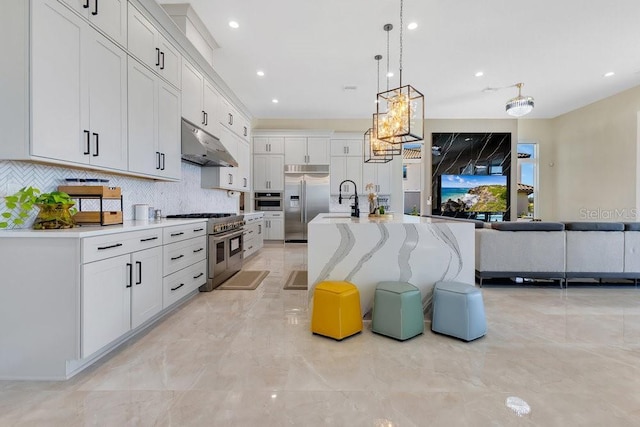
[(528, 226), (632, 226), (594, 226)]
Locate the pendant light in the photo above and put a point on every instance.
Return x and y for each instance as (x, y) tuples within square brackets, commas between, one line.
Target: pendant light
[(400, 110), (374, 149), (520, 105), (380, 146)]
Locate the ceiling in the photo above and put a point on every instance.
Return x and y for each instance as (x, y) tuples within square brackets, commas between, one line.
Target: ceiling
[(310, 50)]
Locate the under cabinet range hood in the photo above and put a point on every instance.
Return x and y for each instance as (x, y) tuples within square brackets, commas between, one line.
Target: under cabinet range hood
[(202, 148)]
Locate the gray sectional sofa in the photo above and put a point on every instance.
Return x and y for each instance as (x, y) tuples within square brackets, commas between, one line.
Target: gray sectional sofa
[(561, 251)]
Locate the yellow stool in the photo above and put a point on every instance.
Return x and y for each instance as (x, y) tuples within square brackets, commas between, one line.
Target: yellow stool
[(336, 310)]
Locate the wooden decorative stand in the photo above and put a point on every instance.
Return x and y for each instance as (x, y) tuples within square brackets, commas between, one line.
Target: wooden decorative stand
[(95, 192)]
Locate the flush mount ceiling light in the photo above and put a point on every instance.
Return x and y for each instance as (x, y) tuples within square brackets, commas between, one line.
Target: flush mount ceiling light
[(274, 100), (234, 24), (520, 105), (400, 110), (260, 73), (412, 26)]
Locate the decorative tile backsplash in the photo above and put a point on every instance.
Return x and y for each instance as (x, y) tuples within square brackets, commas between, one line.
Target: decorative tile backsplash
[(185, 196)]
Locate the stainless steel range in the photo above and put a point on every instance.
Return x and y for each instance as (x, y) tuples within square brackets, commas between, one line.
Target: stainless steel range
[(225, 245)]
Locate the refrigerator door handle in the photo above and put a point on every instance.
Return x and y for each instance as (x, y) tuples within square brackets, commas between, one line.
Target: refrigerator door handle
[(301, 201), (304, 199)]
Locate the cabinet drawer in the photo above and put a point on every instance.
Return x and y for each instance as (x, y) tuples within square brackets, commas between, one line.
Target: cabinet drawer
[(102, 247), (182, 254), (177, 233), (179, 284)]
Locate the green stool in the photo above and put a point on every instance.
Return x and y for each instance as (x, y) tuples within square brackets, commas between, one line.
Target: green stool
[(397, 310)]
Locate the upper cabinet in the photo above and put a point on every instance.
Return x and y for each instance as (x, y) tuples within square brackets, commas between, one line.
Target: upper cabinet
[(199, 100), (232, 120), (268, 145), (109, 16), (152, 48), (346, 147), (303, 150), (79, 101), (154, 124)]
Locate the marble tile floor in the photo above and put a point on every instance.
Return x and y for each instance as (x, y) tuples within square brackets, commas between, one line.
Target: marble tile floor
[(247, 358)]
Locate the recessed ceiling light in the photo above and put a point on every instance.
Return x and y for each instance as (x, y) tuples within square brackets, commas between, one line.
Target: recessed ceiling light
[(260, 73), (274, 100), (609, 74), (234, 24), (412, 26), (389, 74), (479, 74)]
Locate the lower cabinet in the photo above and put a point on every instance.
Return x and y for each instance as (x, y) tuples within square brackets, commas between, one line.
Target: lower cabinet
[(274, 226), (253, 236), (119, 294)]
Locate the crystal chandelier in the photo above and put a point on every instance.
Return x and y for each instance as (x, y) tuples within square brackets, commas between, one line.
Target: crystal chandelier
[(400, 110), (520, 105)]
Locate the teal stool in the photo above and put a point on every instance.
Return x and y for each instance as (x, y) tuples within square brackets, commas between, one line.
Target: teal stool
[(397, 310), (458, 311)]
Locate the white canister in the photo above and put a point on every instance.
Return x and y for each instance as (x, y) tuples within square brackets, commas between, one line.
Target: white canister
[(141, 212)]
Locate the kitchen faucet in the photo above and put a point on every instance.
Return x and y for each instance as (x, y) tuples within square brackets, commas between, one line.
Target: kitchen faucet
[(355, 210)]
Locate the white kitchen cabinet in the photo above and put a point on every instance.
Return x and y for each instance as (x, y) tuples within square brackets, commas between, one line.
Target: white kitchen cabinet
[(378, 174), (273, 226), (147, 44), (119, 294), (268, 172), (345, 167), (268, 145), (109, 16), (230, 118), (303, 150), (346, 147), (78, 103), (200, 100), (154, 124), (244, 166), (230, 178), (253, 235)]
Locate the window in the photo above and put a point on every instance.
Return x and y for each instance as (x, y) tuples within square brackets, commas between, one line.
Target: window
[(527, 180)]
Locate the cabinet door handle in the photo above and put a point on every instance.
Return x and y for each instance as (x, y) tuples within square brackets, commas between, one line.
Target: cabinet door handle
[(230, 179), (162, 155), (149, 239), (195, 251), (157, 160), (177, 257), (88, 148), (86, 4), (139, 264), (347, 150), (206, 118), (230, 119), (268, 148), (245, 182), (95, 10), (177, 287), (199, 275), (161, 55), (177, 234), (245, 131), (157, 57), (198, 229), (130, 268), (259, 228), (97, 153), (203, 114), (117, 245)]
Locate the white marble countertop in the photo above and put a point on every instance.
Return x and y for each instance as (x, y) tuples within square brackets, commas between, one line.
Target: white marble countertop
[(96, 230), (251, 215), (345, 218)]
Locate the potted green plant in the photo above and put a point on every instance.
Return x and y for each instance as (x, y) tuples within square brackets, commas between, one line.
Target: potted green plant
[(55, 209)]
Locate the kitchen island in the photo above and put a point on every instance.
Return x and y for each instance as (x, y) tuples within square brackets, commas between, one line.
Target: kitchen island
[(367, 250)]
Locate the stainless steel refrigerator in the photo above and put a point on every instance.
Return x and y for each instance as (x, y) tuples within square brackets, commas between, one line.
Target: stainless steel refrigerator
[(306, 194)]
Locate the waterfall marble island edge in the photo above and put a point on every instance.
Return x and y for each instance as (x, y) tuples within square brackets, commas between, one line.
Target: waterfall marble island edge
[(365, 251)]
